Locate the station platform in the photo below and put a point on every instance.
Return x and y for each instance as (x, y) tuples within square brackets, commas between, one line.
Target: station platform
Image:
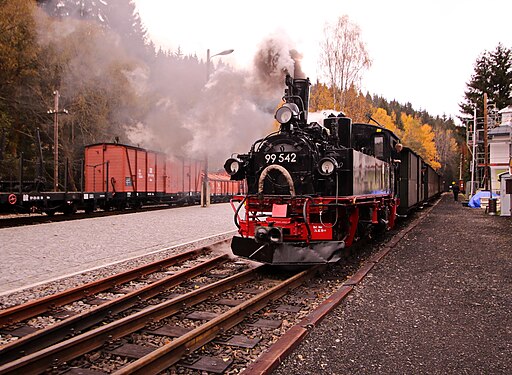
[(40, 253), (439, 303)]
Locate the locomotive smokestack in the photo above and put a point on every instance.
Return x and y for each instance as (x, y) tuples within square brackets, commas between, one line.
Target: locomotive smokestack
[(301, 89), (297, 92)]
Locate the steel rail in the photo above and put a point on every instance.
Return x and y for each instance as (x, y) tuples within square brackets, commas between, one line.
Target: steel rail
[(169, 354), (39, 361), (30, 309), (71, 326)]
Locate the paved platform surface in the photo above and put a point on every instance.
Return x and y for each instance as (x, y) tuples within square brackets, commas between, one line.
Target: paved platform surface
[(36, 253), (439, 303)]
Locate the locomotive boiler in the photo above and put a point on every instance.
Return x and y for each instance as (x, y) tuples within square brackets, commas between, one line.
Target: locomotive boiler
[(313, 189)]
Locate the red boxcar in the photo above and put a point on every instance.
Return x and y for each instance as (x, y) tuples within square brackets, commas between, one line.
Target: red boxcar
[(134, 169), (221, 185)]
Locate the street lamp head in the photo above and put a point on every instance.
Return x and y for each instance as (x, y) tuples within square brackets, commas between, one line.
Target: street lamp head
[(226, 52), (208, 58)]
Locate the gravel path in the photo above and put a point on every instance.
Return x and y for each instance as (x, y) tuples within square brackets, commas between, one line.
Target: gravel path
[(37, 253), (439, 303)]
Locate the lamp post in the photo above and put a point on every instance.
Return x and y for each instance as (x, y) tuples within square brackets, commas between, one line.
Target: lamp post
[(205, 196), (208, 59), (55, 112)]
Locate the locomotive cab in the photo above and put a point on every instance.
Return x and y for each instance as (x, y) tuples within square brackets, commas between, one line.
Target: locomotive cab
[(375, 141)]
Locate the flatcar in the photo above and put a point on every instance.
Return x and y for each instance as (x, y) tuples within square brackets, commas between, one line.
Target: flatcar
[(119, 176), (313, 190)]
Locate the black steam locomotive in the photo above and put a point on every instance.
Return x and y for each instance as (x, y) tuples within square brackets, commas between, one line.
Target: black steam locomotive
[(313, 189)]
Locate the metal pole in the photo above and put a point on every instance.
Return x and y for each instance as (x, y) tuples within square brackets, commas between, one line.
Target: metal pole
[(205, 201), (207, 65), (510, 150), (21, 173), (486, 160), (474, 154), (82, 170), (488, 176), (56, 141), (66, 171), (55, 112), (461, 165), (205, 196), (204, 190)]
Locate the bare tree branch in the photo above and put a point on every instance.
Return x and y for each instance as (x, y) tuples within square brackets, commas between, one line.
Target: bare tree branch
[(343, 58)]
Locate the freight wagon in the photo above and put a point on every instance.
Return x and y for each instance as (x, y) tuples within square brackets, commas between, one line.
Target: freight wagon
[(118, 176), (419, 182)]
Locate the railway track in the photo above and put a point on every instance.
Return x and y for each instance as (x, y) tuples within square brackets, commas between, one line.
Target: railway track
[(17, 220), (197, 311), (166, 290), (209, 313)]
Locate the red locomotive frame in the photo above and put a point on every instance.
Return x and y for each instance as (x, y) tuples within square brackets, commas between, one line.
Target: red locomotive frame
[(298, 218)]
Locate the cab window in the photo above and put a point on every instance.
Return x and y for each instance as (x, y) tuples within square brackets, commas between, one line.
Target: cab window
[(379, 146)]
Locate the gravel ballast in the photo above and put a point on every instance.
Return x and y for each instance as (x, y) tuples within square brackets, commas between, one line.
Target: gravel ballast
[(38, 253), (439, 303)]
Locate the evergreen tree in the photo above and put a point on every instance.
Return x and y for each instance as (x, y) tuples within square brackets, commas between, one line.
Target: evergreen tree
[(118, 15), (492, 75), (501, 80), (81, 9)]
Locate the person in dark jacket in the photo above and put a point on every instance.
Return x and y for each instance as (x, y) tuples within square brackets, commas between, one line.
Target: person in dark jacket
[(455, 189)]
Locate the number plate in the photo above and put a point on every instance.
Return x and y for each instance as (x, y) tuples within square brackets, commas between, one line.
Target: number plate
[(281, 157)]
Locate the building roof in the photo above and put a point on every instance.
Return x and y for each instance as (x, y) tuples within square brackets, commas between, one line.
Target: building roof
[(500, 130), (507, 109)]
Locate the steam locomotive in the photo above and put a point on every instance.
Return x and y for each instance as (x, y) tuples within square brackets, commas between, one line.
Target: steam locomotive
[(313, 190)]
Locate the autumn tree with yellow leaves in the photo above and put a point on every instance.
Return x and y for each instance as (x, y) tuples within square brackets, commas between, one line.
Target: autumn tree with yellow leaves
[(420, 138), (356, 105), (321, 98), (381, 116)]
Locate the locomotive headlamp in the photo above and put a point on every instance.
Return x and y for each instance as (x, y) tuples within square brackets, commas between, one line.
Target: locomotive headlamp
[(232, 166), (286, 112), (327, 166)]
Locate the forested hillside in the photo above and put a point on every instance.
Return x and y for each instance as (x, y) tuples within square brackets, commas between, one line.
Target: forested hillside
[(110, 78), (115, 85)]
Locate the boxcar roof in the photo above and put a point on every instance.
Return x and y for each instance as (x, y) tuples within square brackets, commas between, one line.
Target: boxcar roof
[(123, 145)]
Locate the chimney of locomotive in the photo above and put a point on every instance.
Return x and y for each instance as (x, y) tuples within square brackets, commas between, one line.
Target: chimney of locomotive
[(301, 88)]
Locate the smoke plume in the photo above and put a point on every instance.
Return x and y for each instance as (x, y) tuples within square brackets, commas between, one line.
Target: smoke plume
[(163, 102), (234, 108)]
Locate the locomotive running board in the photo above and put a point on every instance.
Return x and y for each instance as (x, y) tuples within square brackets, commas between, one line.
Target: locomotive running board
[(288, 253)]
